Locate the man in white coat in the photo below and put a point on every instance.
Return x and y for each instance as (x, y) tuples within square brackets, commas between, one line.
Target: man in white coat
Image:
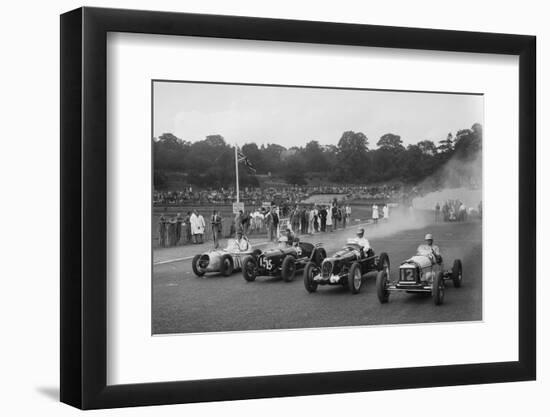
[(194, 222)]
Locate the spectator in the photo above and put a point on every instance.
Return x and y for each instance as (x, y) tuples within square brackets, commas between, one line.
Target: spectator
[(275, 224), (162, 231), (194, 221), (239, 221), (323, 216), (437, 212), (329, 219), (375, 214), (386, 212), (187, 223), (171, 229), (269, 225), (201, 226), (348, 213), (216, 222)]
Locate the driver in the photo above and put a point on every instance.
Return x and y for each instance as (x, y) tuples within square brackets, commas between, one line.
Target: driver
[(287, 240), (240, 244), (361, 240), (429, 249)]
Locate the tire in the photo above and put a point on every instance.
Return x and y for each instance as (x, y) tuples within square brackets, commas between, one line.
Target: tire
[(438, 289), (381, 286), (319, 256), (195, 265), (288, 268), (226, 267), (355, 278), (309, 273), (384, 263), (456, 273), (249, 268)]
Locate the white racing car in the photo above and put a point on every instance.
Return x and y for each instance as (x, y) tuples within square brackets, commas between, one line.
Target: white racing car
[(225, 261), (423, 273)]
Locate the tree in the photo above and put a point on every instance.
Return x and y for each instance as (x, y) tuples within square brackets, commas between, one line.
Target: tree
[(391, 142), (446, 146), (427, 147), (314, 156), (352, 156)]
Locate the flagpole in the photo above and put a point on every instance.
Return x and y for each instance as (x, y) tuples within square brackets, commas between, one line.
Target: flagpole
[(237, 173)]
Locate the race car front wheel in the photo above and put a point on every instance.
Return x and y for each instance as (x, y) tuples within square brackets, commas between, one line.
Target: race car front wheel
[(438, 288), (309, 273), (226, 267), (384, 263), (288, 268), (355, 278), (249, 268), (196, 268), (382, 286)]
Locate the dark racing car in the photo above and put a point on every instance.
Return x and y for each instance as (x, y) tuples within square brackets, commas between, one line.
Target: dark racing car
[(348, 267), (285, 260)]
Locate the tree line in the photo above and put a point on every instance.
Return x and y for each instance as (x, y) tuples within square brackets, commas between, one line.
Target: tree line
[(210, 162)]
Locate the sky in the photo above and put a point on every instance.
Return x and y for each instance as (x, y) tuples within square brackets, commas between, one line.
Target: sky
[(292, 116)]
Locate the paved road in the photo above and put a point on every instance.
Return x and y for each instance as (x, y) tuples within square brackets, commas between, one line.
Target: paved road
[(183, 303)]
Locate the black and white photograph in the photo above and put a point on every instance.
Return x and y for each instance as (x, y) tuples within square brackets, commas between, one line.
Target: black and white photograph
[(295, 207)]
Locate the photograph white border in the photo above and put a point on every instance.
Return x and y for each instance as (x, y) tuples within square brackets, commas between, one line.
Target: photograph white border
[(134, 356)]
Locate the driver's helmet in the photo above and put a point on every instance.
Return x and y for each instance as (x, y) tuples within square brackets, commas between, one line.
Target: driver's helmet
[(360, 232)]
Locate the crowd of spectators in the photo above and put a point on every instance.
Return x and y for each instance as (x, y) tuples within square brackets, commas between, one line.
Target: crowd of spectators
[(282, 195), (455, 211)]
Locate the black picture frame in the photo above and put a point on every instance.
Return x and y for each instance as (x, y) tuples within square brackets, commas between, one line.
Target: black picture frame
[(84, 207)]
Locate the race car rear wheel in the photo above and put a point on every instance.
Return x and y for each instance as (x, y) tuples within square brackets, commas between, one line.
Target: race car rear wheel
[(288, 268), (438, 288), (196, 268), (456, 273), (249, 268), (382, 286), (226, 266), (310, 271), (355, 278), (384, 263)]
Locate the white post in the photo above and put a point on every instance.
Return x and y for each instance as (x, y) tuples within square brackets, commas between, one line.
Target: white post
[(237, 173)]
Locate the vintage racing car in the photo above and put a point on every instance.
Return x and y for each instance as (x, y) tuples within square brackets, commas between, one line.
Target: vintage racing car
[(284, 260), (224, 261), (423, 273), (349, 267)]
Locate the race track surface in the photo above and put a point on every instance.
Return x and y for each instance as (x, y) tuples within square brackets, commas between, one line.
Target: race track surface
[(184, 303)]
